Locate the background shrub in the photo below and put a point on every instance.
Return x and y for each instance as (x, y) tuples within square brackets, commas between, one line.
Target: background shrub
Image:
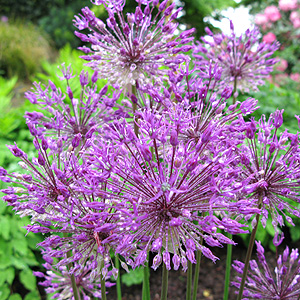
[(22, 49)]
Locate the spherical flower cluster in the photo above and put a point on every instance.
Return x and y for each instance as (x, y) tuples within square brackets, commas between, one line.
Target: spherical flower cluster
[(244, 61), (62, 199), (136, 50), (262, 283), (59, 282), (173, 188), (69, 119), (270, 170)]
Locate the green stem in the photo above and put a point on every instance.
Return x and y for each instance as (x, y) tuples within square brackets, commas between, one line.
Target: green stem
[(134, 108), (228, 268), (234, 90), (74, 288), (118, 285), (196, 276), (146, 284), (164, 287), (73, 281), (103, 288), (189, 281), (247, 260)]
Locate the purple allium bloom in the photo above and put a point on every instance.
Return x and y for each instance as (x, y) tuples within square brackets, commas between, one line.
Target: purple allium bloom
[(270, 171), (127, 52), (61, 196), (244, 61), (261, 283), (58, 281), (203, 112), (70, 118), (173, 189)]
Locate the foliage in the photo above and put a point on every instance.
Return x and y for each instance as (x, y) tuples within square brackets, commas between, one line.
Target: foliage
[(66, 56), (17, 255), (58, 23), (272, 97), (135, 276), (53, 16), (17, 251), (12, 123), (196, 11), (23, 47)]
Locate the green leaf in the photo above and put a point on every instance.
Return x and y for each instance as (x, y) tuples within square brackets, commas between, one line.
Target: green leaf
[(5, 227), (34, 295), (18, 262), (2, 277), (295, 233), (135, 276), (9, 275), (20, 245), (28, 279), (5, 261), (2, 204), (269, 228), (261, 233), (15, 297), (4, 292)]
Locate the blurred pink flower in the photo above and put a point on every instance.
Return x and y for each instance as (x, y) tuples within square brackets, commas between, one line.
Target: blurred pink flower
[(295, 19), (279, 79), (269, 38), (272, 13), (281, 65), (286, 5), (261, 19), (294, 15), (295, 76)]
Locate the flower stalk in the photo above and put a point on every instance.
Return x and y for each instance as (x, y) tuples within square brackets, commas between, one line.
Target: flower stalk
[(228, 268), (189, 281), (164, 284), (146, 282), (196, 276), (248, 257), (103, 287)]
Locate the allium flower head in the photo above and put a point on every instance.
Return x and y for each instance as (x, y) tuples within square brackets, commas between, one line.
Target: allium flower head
[(71, 116), (173, 189), (61, 197), (270, 170), (202, 112), (244, 61), (58, 281), (262, 283), (134, 48)]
